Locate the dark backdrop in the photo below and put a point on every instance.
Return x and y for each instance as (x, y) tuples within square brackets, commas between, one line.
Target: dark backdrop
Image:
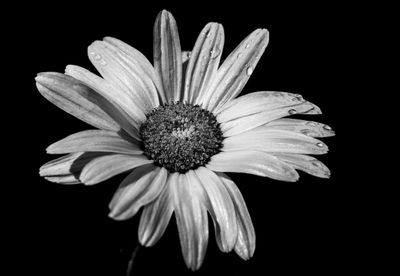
[(302, 227)]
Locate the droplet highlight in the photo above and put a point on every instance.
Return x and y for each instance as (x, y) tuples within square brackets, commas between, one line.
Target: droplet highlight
[(320, 145), (96, 56), (313, 124), (239, 55), (249, 71), (326, 127), (247, 45), (215, 53), (292, 111)]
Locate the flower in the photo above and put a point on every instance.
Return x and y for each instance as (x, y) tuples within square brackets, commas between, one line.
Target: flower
[(177, 127)]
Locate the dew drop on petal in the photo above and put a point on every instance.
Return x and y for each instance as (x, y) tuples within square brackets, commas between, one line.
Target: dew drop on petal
[(239, 55), (247, 45), (313, 124), (292, 111), (327, 127), (320, 145), (249, 71), (215, 53), (306, 132), (96, 56)]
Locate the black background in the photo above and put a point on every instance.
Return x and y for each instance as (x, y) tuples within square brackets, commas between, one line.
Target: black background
[(303, 227)]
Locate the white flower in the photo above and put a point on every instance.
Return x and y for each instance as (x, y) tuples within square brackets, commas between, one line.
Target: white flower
[(177, 129)]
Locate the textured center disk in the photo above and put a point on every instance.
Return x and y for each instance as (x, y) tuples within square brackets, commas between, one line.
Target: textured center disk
[(180, 137)]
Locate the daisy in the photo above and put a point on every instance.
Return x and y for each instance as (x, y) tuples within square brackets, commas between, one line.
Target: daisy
[(177, 127)]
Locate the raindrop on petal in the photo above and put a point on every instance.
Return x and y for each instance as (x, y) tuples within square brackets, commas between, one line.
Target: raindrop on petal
[(306, 132), (239, 55), (292, 111), (320, 144), (215, 53), (249, 71), (247, 45), (95, 55), (313, 124), (327, 127)]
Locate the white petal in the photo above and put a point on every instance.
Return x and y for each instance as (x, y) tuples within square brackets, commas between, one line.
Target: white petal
[(94, 141), (308, 128), (139, 188), (204, 61), (246, 241), (252, 162), (104, 167), (221, 207), (77, 99), (234, 73), (127, 116), (66, 169), (242, 124), (68, 179), (256, 102), (167, 55), (273, 140), (123, 73), (155, 217), (305, 163), (150, 77), (191, 218)]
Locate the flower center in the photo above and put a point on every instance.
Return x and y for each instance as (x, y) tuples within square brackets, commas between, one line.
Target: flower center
[(180, 137)]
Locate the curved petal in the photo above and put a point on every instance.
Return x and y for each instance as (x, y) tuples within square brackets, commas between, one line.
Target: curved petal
[(139, 188), (127, 116), (94, 140), (123, 73), (242, 124), (191, 218), (204, 61), (221, 207), (68, 179), (150, 77), (234, 73), (305, 163), (308, 128), (155, 217), (272, 140), (77, 99), (105, 167), (66, 169), (256, 102), (252, 162), (246, 241), (167, 55)]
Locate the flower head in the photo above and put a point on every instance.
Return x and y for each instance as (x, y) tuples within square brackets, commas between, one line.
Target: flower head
[(177, 126)]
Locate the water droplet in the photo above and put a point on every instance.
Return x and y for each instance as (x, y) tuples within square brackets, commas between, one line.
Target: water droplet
[(327, 127), (247, 45), (292, 111), (239, 55), (249, 71), (96, 56), (320, 145), (313, 124), (215, 53), (307, 132)]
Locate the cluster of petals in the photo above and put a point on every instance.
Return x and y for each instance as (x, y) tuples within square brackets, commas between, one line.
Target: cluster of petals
[(258, 139)]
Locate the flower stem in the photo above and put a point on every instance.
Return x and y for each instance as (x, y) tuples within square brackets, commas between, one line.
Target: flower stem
[(132, 259)]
